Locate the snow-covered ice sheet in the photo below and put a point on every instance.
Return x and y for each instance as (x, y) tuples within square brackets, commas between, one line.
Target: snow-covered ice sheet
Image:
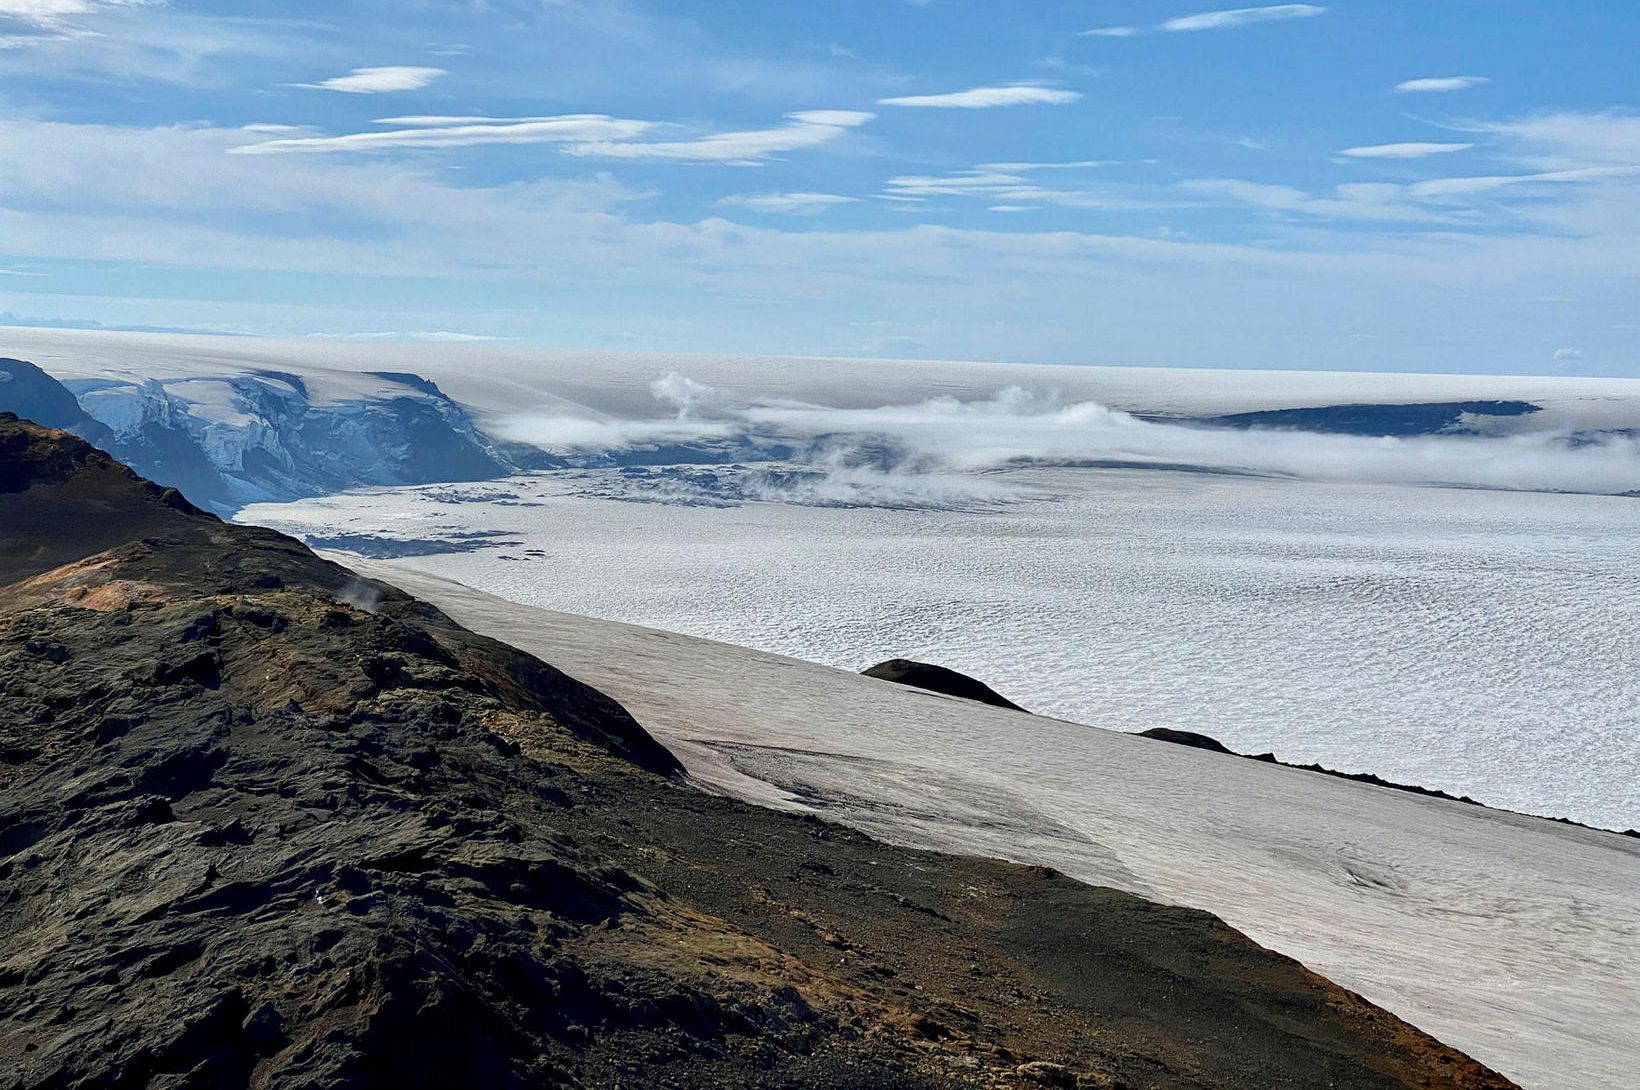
[(496, 381), (1478, 642), (1515, 939)]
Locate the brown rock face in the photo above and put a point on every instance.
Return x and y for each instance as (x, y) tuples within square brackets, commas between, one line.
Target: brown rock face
[(265, 824)]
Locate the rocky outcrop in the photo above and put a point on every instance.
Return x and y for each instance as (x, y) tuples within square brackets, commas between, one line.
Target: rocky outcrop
[(34, 395), (1185, 738), (1417, 418), (939, 679), (265, 823)]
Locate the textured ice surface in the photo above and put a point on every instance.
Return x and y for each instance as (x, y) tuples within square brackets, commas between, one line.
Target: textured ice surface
[(1483, 643), (1513, 938)]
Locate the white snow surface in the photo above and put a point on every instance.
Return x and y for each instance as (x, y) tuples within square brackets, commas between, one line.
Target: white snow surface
[(1479, 642), (1515, 939)]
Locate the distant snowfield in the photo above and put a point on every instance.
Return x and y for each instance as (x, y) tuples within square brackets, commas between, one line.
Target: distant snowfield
[(892, 432), (1512, 938), (499, 382)]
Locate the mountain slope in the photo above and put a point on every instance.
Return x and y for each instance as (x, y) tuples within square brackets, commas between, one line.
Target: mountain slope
[(264, 823), (31, 393)]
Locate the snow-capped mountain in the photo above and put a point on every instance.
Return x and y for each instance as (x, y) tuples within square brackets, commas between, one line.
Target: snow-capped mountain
[(261, 435)]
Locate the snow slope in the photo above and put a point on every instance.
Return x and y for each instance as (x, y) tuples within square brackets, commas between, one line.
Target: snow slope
[(1515, 939)]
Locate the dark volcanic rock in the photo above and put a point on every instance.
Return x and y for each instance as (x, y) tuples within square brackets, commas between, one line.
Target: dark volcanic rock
[(1184, 738), (34, 395), (938, 679), (267, 824), (1421, 418)]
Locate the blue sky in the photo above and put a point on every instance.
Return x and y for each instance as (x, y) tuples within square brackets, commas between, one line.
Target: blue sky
[(1349, 185)]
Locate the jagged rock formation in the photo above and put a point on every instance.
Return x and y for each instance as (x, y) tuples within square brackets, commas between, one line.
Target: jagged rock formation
[(939, 679), (264, 823)]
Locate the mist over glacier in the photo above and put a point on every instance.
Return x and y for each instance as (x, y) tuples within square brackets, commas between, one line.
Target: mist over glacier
[(931, 452)]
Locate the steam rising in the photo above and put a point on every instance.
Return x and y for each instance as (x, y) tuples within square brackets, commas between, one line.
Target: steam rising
[(937, 452)]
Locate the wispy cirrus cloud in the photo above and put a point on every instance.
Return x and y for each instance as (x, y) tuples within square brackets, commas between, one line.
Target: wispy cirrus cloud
[(46, 11), (25, 23), (1008, 185), (1409, 150), (985, 98), (1569, 140), (1213, 20), (1437, 84), (803, 129), (459, 132), (1359, 201), (791, 203), (378, 81), (1239, 17), (582, 135), (1078, 164), (1463, 187)]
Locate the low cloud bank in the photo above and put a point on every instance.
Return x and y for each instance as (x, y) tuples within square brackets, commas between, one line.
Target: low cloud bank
[(939, 452)]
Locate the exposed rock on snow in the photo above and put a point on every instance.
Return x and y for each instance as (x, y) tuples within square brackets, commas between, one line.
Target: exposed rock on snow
[(939, 679), (1185, 738)]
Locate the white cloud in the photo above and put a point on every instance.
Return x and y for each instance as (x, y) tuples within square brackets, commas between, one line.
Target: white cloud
[(42, 9), (419, 121), (170, 196), (376, 81), (47, 11), (1566, 141), (1235, 17), (1110, 32), (1080, 164), (546, 130), (983, 98), (1441, 83), (1007, 187), (925, 452), (804, 129), (801, 203), (1367, 201), (1403, 151), (1459, 187)]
